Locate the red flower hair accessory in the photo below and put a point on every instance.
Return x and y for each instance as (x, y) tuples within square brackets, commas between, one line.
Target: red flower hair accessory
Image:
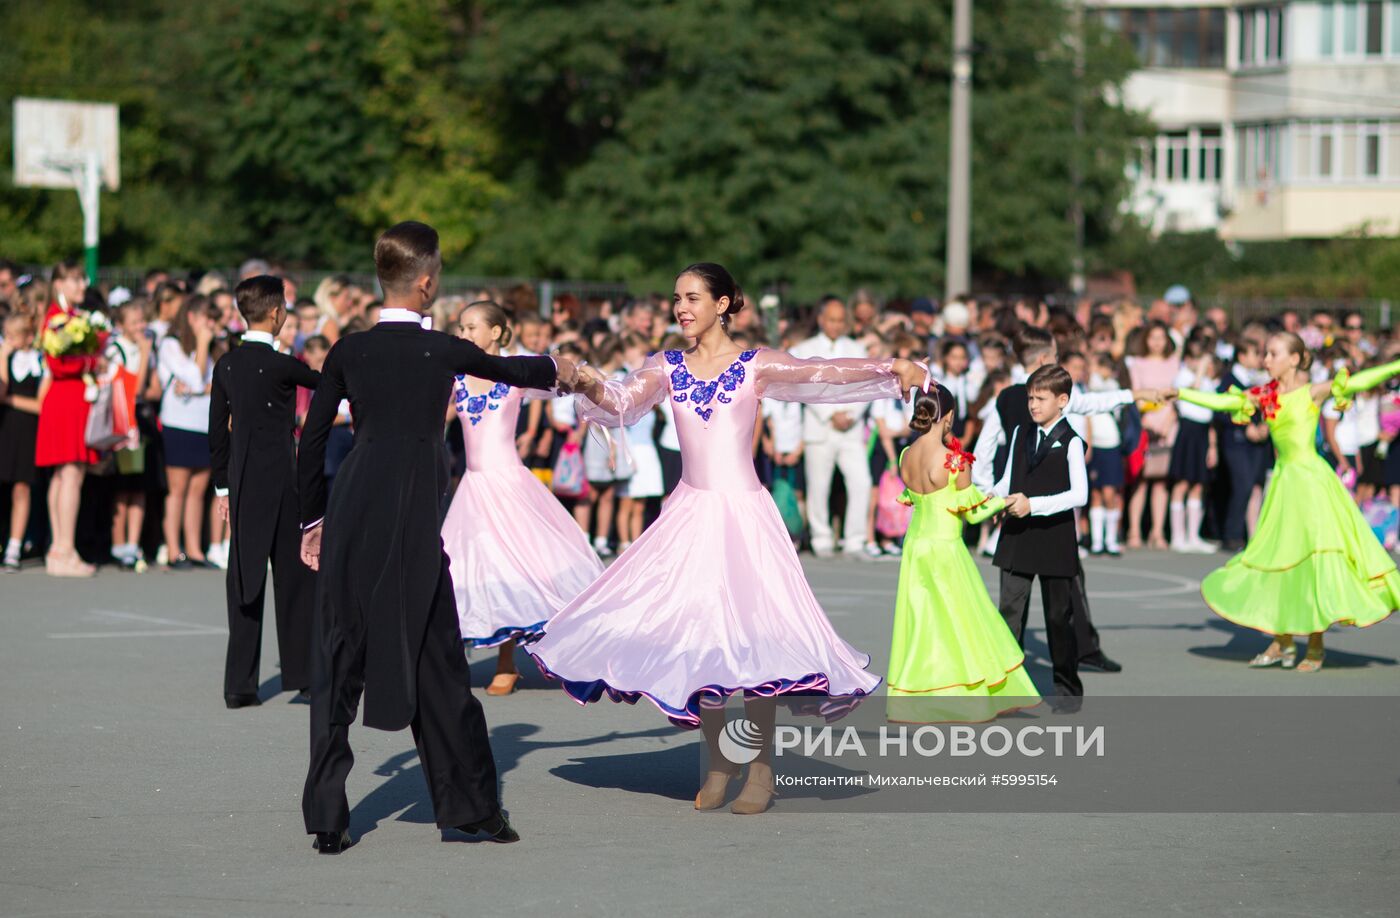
[(957, 461)]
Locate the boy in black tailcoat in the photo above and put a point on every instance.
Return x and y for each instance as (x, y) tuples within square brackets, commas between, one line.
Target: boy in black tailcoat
[(252, 420), (386, 623)]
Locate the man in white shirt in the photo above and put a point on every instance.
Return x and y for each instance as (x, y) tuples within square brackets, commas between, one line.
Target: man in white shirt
[(834, 437)]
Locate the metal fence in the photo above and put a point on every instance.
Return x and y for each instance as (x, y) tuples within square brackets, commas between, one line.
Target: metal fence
[(1377, 313)]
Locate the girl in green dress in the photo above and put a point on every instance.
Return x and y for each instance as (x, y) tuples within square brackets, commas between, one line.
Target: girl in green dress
[(952, 656), (1313, 561)]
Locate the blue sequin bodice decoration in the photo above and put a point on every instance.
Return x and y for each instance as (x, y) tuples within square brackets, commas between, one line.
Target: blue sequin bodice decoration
[(473, 407), (701, 393)]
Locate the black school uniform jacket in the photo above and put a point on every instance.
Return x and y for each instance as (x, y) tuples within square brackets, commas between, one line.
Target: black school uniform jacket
[(252, 448), (381, 551), (1043, 545)]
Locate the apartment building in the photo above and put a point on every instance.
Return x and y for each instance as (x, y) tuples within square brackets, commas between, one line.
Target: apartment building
[(1276, 120)]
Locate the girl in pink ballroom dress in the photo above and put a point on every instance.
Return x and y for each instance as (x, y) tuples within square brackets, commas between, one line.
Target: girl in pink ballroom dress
[(515, 555), (711, 601)]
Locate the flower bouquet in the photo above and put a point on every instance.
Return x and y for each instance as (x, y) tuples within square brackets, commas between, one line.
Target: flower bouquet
[(80, 334)]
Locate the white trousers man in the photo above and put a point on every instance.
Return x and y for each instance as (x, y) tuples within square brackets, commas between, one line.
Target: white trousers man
[(822, 459)]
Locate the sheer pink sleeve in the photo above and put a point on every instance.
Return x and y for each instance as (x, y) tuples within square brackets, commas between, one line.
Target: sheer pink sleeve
[(823, 380), (625, 401)]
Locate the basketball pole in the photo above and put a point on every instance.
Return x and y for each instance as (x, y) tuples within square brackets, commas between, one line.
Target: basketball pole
[(89, 188)]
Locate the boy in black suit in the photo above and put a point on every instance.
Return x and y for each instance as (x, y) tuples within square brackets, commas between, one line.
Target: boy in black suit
[(252, 420), (386, 617), (1044, 481)]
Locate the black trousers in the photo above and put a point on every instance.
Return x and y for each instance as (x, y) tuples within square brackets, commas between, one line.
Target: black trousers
[(1084, 630), (449, 730), (1056, 593), (294, 593), (1246, 466)]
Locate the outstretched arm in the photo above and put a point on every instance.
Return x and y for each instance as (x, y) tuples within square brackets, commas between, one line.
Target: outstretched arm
[(521, 372), (1347, 384), (833, 380), (621, 402), (1234, 403)]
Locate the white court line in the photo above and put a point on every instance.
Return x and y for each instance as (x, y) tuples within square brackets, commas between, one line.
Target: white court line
[(181, 629), (204, 632)]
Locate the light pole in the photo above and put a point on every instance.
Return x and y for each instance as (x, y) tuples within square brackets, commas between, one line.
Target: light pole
[(957, 274)]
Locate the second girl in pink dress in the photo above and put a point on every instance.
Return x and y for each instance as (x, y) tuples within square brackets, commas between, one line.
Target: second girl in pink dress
[(515, 555)]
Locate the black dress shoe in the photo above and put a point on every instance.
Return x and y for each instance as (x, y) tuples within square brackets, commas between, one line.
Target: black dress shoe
[(303, 696), (1232, 545), (1100, 663), (181, 563), (497, 829), (242, 700), (1066, 704), (332, 842)]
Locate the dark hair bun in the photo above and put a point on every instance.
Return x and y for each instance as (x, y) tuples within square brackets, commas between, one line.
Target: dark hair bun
[(931, 407), (736, 302)]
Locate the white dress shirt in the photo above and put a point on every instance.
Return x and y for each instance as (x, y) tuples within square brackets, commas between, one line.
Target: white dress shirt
[(992, 435), (1050, 504)]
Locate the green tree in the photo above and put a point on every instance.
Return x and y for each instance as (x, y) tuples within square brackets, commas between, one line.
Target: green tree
[(803, 145)]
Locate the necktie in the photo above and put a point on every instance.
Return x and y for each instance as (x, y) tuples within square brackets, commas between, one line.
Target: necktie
[(1039, 440)]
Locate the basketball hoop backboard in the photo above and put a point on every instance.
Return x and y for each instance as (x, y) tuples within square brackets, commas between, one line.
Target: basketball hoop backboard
[(55, 139)]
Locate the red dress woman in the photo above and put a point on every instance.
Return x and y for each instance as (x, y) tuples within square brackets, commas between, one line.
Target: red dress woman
[(62, 437)]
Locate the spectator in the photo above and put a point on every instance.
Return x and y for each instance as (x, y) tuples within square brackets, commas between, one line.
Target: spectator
[(834, 437), (1154, 365), (185, 362), (62, 435)]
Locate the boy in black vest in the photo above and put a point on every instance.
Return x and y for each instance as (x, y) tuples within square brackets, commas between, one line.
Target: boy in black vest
[(255, 480), (1035, 348), (1044, 481)]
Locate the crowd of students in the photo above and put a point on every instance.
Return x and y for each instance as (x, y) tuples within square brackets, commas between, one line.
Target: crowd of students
[(1162, 475)]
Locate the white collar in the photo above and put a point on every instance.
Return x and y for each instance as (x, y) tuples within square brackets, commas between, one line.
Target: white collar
[(405, 315), (260, 337), (1047, 428), (26, 363)]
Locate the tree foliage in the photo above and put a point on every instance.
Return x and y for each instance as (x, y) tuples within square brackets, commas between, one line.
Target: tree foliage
[(805, 145)]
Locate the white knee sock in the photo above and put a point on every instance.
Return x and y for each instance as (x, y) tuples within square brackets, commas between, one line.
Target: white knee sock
[(1194, 514), (1178, 517), (1096, 521), (1112, 519)]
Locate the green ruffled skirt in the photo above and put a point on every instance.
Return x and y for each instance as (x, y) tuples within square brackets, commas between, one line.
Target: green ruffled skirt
[(1313, 561)]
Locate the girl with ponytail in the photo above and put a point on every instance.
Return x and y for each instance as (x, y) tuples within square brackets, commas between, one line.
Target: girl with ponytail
[(515, 555), (952, 657)]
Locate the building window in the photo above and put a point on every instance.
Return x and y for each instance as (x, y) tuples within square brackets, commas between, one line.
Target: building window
[(1261, 36), (1211, 156), (1375, 29), (1178, 37), (1371, 150), (1259, 147), (1343, 151), (1351, 28)]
